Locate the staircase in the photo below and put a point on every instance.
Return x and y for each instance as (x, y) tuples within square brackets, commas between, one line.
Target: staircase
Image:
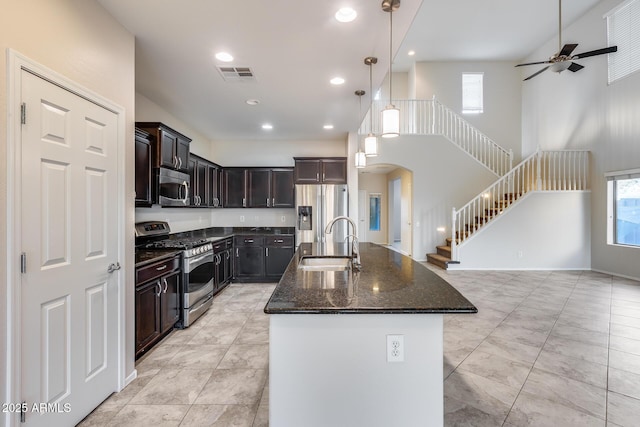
[(542, 171)]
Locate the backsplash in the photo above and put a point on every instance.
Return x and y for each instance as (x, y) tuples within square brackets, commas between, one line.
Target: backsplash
[(185, 219)]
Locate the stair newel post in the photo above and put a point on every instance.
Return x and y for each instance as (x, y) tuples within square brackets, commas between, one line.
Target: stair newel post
[(538, 170), (454, 249)]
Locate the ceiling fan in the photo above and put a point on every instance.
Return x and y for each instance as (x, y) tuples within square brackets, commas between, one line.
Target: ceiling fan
[(563, 59)]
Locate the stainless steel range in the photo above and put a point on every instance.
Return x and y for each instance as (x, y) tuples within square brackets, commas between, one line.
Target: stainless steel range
[(198, 266)]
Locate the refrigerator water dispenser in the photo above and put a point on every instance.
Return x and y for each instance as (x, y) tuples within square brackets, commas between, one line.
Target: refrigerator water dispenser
[(305, 217)]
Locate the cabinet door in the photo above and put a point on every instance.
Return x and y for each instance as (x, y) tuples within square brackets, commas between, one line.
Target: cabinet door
[(234, 188), (334, 171), (167, 154), (193, 175), (143, 169), (258, 188), (182, 153), (307, 171), (276, 260), (218, 277), (249, 261), (170, 301), (214, 186), (201, 186), (282, 188), (148, 326), (227, 258)]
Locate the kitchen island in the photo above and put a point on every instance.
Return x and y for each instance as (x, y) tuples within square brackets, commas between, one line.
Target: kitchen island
[(358, 348)]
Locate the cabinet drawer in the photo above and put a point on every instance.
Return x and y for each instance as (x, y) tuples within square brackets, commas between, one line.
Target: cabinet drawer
[(279, 241), (219, 246), (154, 271), (249, 241)]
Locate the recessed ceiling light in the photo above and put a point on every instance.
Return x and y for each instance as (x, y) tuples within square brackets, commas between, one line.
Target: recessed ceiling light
[(411, 52), (346, 14), (253, 101), (267, 126), (328, 126), (337, 81), (224, 57)]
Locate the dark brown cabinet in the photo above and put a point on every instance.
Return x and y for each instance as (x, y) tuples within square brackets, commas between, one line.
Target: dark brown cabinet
[(249, 261), (313, 170), (171, 148), (143, 168), (223, 262), (262, 258), (278, 253), (204, 182), (157, 301), (258, 188)]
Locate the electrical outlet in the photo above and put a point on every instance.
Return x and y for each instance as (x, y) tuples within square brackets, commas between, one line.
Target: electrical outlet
[(283, 218), (241, 218), (395, 348)]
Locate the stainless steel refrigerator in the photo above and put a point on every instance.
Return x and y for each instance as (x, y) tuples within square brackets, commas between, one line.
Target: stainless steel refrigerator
[(316, 205)]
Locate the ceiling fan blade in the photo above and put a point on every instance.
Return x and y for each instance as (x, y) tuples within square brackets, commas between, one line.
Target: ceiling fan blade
[(534, 63), (536, 73), (596, 52), (567, 49), (575, 67)]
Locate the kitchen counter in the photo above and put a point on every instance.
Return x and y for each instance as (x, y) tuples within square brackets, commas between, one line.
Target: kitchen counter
[(146, 256), (389, 282), (359, 348)]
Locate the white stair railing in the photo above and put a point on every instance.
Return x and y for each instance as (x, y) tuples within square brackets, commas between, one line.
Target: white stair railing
[(541, 171), (430, 117)]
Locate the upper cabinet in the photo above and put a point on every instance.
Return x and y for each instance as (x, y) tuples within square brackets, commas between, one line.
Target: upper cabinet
[(204, 177), (143, 168), (315, 170), (258, 188), (172, 148)]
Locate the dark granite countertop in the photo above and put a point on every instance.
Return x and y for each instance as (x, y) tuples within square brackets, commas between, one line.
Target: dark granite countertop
[(389, 282), (145, 256), (213, 234)]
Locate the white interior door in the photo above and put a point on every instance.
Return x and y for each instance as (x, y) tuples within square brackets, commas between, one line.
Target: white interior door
[(363, 223), (69, 209)]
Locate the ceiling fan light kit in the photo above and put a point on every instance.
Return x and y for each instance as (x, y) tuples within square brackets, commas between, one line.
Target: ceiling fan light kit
[(563, 60), (391, 114)]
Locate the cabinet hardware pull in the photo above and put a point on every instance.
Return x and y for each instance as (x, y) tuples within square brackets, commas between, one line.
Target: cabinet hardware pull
[(161, 268), (248, 240), (237, 253), (267, 249), (267, 202), (166, 285), (186, 192), (244, 202), (175, 162), (278, 241), (180, 162), (317, 176), (273, 202), (159, 288), (323, 176)]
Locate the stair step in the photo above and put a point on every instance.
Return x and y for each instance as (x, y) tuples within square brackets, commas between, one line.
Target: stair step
[(445, 251), (440, 261), (449, 240), (481, 219)]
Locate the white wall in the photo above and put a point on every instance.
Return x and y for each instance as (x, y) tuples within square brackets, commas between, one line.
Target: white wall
[(580, 111), (546, 231), (443, 177), (81, 41), (501, 118)]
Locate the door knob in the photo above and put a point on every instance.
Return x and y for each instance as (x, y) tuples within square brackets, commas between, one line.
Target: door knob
[(113, 267)]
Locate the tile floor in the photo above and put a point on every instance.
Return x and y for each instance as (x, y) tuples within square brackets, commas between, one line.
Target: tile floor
[(545, 349)]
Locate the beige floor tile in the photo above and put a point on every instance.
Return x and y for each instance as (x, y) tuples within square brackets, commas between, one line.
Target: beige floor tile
[(233, 387), (246, 356), (623, 410), (496, 368), (572, 367), (173, 386), (219, 416), (149, 416), (532, 410)]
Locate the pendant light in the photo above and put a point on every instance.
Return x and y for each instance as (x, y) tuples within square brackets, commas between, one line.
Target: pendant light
[(371, 141), (391, 114), (361, 158)]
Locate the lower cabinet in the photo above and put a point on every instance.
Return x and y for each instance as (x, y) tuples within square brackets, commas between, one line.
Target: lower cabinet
[(262, 258), (157, 304), (223, 262)]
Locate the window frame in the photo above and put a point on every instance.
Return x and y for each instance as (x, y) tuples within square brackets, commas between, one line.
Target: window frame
[(612, 205), (473, 110)]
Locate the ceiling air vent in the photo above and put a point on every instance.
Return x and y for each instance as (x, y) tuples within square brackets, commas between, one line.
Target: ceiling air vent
[(236, 74)]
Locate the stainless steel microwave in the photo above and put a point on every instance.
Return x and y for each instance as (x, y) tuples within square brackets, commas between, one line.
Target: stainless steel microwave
[(172, 187)]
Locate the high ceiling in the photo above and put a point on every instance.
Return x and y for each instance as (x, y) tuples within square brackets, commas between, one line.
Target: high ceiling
[(293, 49)]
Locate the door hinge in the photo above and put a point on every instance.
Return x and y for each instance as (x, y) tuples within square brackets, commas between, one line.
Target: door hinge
[(23, 113), (23, 412), (23, 263)]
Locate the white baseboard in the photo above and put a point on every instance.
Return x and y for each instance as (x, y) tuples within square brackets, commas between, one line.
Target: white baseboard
[(132, 376)]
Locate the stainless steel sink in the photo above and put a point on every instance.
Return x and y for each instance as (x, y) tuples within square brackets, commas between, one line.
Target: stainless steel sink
[(324, 263)]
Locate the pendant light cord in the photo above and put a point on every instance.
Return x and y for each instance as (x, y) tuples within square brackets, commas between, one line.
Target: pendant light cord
[(371, 97), (390, 50)]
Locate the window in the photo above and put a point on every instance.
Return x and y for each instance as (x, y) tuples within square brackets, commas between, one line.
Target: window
[(623, 30), (624, 208), (374, 212), (472, 93)]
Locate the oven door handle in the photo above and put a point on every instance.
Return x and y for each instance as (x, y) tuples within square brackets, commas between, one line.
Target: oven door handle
[(196, 262)]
